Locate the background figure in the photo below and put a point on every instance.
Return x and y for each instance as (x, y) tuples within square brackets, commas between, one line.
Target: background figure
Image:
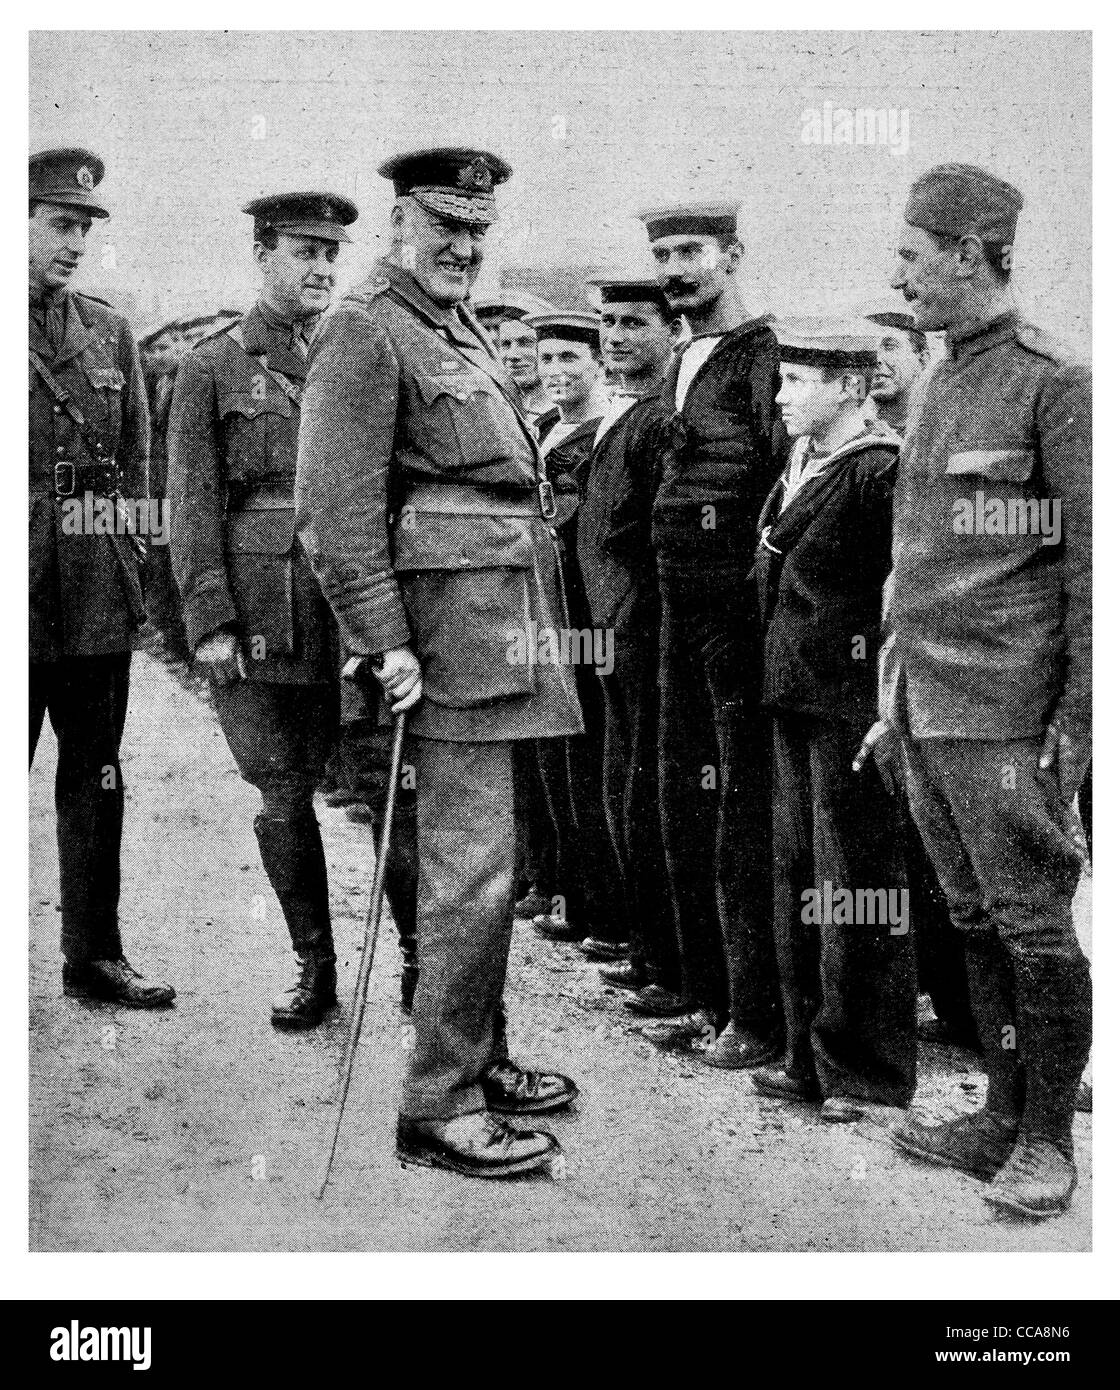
[(725, 445), (160, 354), (503, 316), (841, 917), (88, 439), (619, 573), (572, 769)]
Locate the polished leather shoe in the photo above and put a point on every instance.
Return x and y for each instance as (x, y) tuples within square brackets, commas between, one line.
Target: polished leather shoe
[(114, 981), (304, 1003), (1036, 1181), (736, 1050), (776, 1081), (624, 976), (681, 1032), (597, 948), (655, 1001), (842, 1110), (533, 904), (476, 1146), (979, 1143), (554, 928), (511, 1090)]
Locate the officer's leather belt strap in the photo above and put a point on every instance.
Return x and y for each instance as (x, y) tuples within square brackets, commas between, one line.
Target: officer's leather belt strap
[(452, 499), (261, 497)]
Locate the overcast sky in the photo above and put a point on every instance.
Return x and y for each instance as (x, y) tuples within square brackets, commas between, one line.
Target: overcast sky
[(596, 125)]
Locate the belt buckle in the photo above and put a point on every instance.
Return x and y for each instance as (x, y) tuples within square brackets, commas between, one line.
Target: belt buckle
[(59, 490), (547, 500)]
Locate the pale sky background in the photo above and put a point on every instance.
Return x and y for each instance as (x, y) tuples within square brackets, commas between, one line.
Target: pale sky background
[(596, 125)]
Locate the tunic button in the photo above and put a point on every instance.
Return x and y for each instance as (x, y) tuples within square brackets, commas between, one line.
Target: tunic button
[(57, 409), (60, 450)]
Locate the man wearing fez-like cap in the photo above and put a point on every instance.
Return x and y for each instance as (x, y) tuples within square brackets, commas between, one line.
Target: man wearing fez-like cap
[(572, 770), (724, 448), (88, 427), (255, 619), (425, 509), (846, 959), (619, 574), (503, 316), (987, 681)]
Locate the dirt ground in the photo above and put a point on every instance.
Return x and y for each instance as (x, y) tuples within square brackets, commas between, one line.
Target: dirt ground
[(201, 1128)]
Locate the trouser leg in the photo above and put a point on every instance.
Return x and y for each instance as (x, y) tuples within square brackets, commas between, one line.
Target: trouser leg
[(86, 698), (688, 757), (942, 968), (864, 1036), (551, 755), (280, 737), (536, 842), (729, 648), (616, 771), (1018, 834), (653, 935), (991, 991), (797, 936), (366, 752), (606, 903), (467, 852)]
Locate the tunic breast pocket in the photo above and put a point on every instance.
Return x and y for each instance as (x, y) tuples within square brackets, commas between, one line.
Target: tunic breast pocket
[(1011, 465), (259, 561), (994, 507), (258, 435), (467, 408)]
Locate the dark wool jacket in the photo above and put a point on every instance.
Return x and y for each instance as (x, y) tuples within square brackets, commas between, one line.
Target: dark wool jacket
[(820, 568), (615, 541), (724, 451), (84, 591), (232, 440)]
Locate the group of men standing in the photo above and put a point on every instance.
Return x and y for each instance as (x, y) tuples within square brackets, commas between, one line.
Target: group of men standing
[(374, 485)]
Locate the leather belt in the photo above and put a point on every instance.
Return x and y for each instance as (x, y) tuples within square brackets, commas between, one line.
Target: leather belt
[(260, 497), (75, 479), (453, 499)]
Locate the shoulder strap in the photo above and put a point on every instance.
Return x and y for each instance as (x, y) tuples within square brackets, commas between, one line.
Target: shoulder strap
[(289, 388)]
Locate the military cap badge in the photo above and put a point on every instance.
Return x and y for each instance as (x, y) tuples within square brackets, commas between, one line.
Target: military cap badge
[(476, 176), (85, 178)]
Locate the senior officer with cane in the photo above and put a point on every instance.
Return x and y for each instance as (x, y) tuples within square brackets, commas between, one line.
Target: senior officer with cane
[(422, 505), (88, 435)]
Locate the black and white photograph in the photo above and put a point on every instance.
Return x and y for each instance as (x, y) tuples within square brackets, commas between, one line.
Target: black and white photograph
[(560, 641)]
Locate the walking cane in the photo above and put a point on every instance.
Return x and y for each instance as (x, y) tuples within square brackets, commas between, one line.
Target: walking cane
[(369, 945)]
